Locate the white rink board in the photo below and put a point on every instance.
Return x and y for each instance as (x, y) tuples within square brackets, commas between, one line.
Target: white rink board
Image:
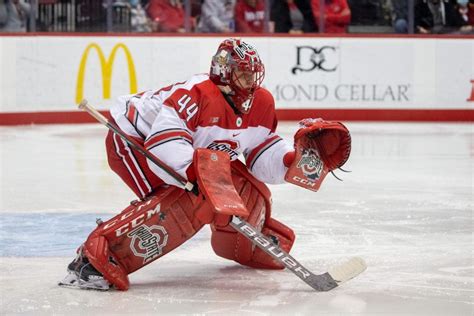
[(41, 73)]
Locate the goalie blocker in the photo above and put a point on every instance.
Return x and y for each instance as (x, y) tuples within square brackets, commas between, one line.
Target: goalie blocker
[(149, 229)]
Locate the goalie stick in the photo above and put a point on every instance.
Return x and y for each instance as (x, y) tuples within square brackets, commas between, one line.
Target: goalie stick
[(84, 105), (323, 282)]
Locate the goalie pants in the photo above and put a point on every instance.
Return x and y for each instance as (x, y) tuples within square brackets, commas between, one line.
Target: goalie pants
[(131, 166), (168, 216)]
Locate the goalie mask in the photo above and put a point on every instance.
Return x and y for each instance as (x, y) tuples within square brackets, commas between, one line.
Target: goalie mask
[(238, 66)]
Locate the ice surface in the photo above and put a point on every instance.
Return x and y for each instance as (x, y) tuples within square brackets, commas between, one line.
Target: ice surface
[(406, 208)]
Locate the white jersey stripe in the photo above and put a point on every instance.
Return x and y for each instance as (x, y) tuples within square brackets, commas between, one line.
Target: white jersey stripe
[(132, 157), (132, 166), (168, 140), (262, 150), (168, 130)]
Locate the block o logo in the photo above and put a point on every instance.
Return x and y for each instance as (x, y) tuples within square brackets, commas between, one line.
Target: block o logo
[(148, 241), (311, 164)]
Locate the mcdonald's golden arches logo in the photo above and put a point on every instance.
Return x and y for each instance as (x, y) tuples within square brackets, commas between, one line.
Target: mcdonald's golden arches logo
[(106, 65)]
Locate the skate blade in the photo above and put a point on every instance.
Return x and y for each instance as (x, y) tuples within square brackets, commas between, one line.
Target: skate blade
[(72, 281)]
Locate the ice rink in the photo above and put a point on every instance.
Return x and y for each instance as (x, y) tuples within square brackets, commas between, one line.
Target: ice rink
[(406, 208)]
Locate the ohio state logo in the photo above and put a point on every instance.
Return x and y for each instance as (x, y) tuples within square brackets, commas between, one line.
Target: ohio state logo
[(227, 146), (311, 164), (148, 241)]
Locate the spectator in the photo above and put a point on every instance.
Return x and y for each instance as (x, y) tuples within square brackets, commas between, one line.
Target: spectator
[(139, 19), (437, 16), (465, 11), (250, 16), (400, 16), (470, 12), (297, 18), (14, 15), (127, 15), (282, 16), (166, 15), (195, 12), (217, 16), (337, 15)]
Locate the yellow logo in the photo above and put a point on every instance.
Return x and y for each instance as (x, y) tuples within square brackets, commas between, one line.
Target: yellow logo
[(106, 65)]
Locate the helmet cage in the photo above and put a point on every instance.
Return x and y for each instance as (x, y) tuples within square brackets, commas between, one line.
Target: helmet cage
[(237, 65)]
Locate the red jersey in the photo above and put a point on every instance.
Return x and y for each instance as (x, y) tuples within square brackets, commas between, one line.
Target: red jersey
[(337, 15), (170, 18), (249, 19)]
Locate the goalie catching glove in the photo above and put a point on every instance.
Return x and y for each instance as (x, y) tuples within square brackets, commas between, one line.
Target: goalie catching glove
[(320, 147)]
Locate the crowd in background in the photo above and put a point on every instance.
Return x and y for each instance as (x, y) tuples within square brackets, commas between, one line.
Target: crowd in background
[(242, 16), (14, 15)]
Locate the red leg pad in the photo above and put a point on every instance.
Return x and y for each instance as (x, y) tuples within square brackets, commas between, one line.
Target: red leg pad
[(96, 249), (144, 232), (229, 244), (285, 237), (232, 245)]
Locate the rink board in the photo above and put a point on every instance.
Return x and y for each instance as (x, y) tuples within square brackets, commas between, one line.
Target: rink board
[(353, 78)]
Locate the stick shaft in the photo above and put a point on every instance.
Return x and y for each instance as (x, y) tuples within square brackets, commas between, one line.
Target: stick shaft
[(84, 105), (322, 282)]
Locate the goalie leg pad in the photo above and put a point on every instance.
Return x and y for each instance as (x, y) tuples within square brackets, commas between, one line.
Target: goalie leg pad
[(144, 232), (96, 249), (282, 235), (229, 244)]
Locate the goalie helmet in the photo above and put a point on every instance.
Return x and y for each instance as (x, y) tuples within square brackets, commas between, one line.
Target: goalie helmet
[(237, 65)]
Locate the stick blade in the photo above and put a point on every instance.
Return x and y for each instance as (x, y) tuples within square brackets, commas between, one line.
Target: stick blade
[(348, 270), (322, 282)]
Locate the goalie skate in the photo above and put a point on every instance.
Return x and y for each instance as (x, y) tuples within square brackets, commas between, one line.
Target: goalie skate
[(82, 275)]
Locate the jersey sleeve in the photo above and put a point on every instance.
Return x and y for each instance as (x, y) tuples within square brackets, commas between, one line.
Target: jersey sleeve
[(265, 159), (171, 137)]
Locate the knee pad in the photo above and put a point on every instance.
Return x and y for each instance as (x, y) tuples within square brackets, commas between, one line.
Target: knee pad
[(144, 232), (229, 244)]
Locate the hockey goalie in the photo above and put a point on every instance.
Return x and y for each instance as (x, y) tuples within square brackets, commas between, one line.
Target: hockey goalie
[(183, 124)]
